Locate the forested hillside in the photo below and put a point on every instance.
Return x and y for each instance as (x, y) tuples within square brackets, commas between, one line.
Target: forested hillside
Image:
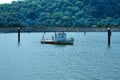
[(61, 13)]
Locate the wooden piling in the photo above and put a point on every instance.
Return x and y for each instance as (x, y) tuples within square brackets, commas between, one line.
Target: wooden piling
[(18, 35), (109, 36), (84, 33)]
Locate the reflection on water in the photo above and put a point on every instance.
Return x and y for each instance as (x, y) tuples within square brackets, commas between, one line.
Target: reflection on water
[(88, 59)]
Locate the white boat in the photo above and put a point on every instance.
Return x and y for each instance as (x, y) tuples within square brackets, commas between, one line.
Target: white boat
[(58, 38)]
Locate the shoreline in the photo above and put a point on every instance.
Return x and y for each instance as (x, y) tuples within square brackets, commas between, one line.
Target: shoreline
[(57, 29)]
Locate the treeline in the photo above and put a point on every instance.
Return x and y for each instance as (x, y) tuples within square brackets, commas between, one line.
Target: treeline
[(61, 13)]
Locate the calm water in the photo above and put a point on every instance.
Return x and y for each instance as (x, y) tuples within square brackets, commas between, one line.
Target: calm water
[(88, 59)]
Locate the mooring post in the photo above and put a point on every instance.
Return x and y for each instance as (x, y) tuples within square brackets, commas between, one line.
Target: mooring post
[(84, 33), (18, 35), (109, 36)]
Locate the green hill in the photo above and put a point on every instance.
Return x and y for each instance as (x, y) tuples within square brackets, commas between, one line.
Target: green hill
[(63, 13)]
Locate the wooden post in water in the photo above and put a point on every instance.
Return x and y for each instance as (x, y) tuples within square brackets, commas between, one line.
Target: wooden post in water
[(84, 33), (109, 36), (18, 35)]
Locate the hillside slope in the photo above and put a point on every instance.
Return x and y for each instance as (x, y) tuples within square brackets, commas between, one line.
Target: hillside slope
[(64, 13)]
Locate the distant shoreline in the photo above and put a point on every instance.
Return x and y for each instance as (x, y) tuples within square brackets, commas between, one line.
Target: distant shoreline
[(57, 29)]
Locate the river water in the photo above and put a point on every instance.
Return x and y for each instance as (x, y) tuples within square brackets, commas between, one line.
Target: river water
[(88, 59)]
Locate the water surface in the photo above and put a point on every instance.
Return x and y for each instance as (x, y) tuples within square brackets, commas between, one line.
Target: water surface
[(88, 59)]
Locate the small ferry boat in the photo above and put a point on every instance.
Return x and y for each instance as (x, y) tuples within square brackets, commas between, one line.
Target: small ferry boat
[(58, 38)]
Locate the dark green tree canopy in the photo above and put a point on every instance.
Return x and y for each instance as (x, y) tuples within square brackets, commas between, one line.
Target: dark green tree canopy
[(63, 13)]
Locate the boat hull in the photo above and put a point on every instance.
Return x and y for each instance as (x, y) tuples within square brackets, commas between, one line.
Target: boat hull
[(56, 42)]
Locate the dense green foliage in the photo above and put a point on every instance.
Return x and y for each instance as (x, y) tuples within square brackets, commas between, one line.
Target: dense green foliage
[(63, 13)]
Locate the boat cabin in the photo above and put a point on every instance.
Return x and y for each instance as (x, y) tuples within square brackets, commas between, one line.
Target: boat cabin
[(61, 36)]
